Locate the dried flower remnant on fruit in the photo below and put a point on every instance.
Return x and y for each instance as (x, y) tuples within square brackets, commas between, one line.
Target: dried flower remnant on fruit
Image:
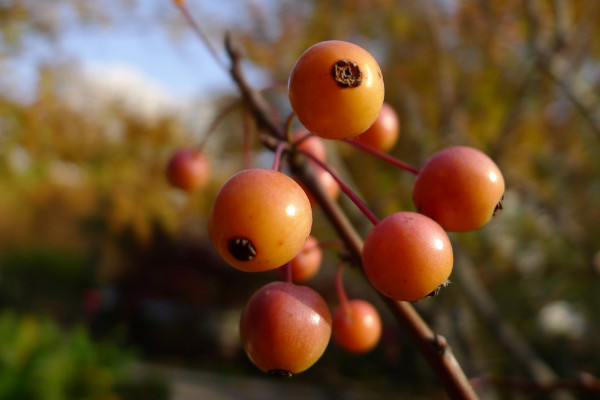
[(438, 289), (242, 249), (347, 73), (280, 373), (498, 206)]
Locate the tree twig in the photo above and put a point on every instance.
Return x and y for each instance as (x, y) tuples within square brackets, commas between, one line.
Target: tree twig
[(253, 98)]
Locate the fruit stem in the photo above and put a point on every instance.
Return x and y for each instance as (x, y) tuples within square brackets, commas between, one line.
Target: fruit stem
[(345, 188), (253, 99), (287, 272), (302, 139), (384, 156), (278, 155), (288, 126), (216, 121), (339, 285)]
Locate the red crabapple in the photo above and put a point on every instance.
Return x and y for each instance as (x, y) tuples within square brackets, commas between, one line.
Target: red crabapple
[(259, 220), (459, 187), (306, 263), (407, 256), (285, 328), (188, 169)]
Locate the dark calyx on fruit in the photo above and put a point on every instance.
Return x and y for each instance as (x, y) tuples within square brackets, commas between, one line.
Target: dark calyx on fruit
[(347, 73), (437, 290), (280, 373), (242, 249), (498, 206)]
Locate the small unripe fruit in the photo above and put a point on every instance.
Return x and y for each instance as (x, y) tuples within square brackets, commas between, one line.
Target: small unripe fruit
[(356, 326), (306, 264), (188, 169), (384, 132)]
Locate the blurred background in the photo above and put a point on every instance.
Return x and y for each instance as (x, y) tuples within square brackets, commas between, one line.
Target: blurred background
[(108, 286)]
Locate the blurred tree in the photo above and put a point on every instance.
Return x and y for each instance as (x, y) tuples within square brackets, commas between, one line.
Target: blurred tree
[(519, 80)]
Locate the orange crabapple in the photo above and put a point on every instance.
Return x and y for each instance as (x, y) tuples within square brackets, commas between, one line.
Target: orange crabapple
[(259, 220), (384, 132), (407, 256), (356, 326), (459, 187), (336, 89), (285, 328)]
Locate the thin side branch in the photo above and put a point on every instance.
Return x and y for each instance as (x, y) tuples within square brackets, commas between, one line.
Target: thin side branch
[(253, 98)]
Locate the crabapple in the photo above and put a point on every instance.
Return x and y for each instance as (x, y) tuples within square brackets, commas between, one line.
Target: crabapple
[(459, 187), (336, 89), (407, 256), (188, 169), (356, 326), (384, 132), (306, 263), (259, 220), (285, 328)]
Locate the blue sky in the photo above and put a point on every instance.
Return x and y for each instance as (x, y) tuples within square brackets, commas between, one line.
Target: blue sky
[(183, 68), (175, 66)]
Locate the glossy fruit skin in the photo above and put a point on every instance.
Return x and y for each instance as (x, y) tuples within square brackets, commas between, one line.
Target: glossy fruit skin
[(285, 328), (266, 208), (459, 187), (307, 262), (323, 105), (188, 169), (357, 327), (407, 255), (384, 132)]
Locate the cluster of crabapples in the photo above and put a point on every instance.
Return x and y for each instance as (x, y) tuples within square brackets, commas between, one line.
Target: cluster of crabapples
[(261, 219)]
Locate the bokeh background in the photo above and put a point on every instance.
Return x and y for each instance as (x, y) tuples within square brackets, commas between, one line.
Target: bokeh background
[(108, 286)]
